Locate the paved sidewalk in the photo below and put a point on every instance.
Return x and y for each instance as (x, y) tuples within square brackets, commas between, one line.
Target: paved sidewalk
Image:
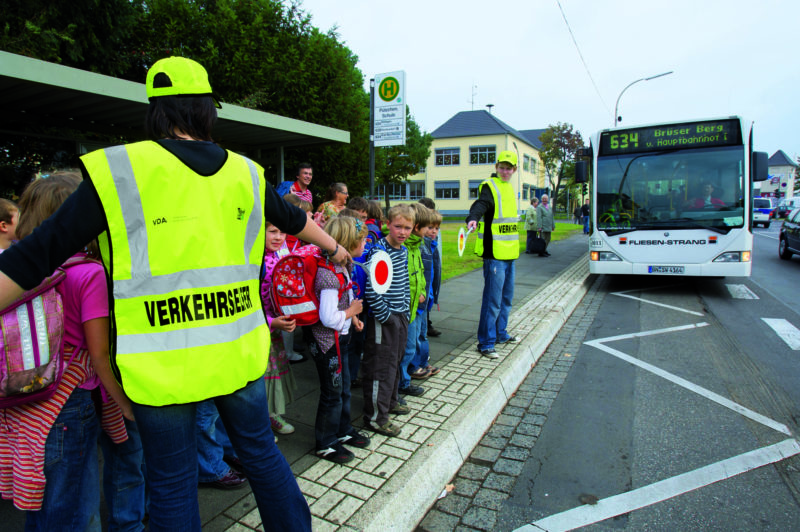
[(391, 485)]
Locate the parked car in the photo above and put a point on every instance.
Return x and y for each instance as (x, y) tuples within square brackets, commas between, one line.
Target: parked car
[(789, 237), (787, 205), (762, 211)]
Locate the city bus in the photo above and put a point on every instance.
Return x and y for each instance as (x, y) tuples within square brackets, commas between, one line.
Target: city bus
[(672, 199)]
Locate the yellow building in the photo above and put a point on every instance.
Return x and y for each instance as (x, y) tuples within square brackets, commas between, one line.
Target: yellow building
[(463, 154)]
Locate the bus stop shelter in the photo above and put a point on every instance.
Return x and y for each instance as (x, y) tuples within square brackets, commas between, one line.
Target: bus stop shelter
[(37, 98)]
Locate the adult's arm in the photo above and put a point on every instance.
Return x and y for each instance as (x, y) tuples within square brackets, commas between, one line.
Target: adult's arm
[(484, 203)]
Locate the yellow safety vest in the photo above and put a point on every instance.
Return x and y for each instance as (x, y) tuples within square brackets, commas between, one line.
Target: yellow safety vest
[(183, 253), (505, 234)]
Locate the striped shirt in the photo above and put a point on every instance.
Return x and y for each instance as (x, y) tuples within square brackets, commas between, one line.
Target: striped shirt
[(397, 299), (302, 194)]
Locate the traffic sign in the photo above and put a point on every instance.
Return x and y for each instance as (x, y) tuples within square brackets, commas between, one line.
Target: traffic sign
[(380, 271), (389, 113)]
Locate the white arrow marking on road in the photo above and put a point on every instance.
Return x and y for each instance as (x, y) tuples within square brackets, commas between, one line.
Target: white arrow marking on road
[(740, 291), (786, 331), (665, 489)]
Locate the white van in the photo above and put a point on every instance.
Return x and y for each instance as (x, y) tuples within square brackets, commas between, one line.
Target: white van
[(787, 205)]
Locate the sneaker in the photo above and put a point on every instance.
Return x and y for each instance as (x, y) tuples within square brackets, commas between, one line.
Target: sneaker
[(389, 429), (412, 389), (231, 481), (355, 439), (400, 410), (336, 453), (432, 331), (489, 353), (280, 425), (509, 340), (433, 369), (420, 373), (294, 357), (234, 463), (401, 401)]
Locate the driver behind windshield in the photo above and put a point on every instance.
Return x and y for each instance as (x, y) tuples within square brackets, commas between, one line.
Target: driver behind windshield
[(707, 198)]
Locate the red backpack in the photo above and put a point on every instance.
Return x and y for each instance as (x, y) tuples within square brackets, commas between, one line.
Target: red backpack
[(292, 288)]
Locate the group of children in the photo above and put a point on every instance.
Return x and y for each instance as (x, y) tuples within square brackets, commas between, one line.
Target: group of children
[(381, 334)]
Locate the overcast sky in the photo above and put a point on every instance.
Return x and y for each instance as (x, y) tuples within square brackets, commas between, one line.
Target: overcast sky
[(730, 57)]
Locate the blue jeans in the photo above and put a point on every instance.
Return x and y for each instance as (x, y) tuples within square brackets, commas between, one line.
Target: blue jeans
[(333, 412), (423, 355), (124, 480), (498, 293), (71, 470), (210, 453), (411, 349), (170, 449)]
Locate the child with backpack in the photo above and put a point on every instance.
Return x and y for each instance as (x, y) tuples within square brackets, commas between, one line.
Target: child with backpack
[(9, 214), (293, 243), (279, 378), (328, 346), (48, 448)]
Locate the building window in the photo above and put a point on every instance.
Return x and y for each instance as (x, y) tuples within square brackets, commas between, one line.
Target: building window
[(534, 165), (474, 186), (525, 191), (412, 190), (526, 163), (448, 156), (416, 190), (482, 154), (447, 189)]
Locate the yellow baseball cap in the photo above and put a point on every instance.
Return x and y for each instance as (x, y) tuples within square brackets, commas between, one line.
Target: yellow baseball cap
[(186, 77), (507, 157)]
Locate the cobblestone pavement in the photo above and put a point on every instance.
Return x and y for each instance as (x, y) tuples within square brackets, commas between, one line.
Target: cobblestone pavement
[(489, 475)]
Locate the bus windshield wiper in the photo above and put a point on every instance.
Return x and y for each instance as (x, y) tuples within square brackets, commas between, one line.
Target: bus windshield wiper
[(683, 223)]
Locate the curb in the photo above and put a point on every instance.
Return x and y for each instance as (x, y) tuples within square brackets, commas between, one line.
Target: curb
[(405, 498)]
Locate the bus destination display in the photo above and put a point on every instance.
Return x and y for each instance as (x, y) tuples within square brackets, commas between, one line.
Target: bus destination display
[(669, 137)]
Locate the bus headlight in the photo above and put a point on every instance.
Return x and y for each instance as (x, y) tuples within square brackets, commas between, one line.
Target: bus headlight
[(604, 256), (734, 256)]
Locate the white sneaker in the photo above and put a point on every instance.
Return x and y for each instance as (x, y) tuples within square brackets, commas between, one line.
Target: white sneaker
[(280, 425), (294, 357)]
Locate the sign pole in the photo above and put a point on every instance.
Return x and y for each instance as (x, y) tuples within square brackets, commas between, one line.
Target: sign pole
[(372, 139)]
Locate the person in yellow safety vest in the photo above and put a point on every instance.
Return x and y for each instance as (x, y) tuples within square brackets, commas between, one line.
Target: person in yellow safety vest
[(182, 223), (498, 244)]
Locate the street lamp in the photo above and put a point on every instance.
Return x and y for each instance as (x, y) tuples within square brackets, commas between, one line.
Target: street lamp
[(618, 118)]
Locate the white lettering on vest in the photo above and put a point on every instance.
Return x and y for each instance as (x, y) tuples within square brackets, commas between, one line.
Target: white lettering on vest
[(197, 307)]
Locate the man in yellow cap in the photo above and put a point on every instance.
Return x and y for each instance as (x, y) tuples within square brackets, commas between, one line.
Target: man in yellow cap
[(498, 244), (182, 227)]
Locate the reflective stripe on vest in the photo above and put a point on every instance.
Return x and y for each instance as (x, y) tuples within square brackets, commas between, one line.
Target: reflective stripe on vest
[(184, 263), (505, 235)]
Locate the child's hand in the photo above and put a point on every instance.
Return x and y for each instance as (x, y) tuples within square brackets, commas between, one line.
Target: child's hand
[(354, 309), (283, 323), (359, 325), (422, 298)]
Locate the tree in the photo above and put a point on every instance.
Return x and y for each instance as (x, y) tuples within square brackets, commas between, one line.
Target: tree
[(559, 148), (393, 164)]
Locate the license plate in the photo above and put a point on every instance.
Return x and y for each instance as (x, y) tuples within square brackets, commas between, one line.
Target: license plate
[(666, 269)]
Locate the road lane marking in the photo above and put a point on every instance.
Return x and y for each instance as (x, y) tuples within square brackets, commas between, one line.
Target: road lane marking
[(665, 489), (683, 383), (785, 331), (679, 309), (740, 291)]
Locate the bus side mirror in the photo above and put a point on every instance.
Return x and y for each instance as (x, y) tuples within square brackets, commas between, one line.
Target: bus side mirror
[(759, 163), (582, 171)]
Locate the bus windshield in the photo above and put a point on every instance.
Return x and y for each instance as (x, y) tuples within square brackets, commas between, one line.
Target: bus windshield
[(679, 189)]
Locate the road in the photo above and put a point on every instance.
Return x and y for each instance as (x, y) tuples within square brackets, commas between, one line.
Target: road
[(666, 404)]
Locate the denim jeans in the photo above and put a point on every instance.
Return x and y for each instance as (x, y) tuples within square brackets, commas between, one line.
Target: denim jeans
[(411, 349), (498, 293), (333, 412), (124, 480), (170, 449), (72, 489), (423, 355), (210, 463)]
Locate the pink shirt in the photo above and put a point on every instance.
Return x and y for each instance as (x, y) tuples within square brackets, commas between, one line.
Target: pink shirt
[(85, 295)]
